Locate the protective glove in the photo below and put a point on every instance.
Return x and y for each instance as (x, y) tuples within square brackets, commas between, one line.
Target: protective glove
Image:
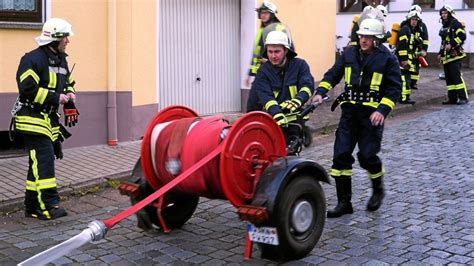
[(281, 120), (291, 105), (58, 149), (71, 114)]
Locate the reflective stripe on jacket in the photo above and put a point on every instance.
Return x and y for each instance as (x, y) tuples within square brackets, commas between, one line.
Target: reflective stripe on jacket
[(379, 72), (424, 35), (454, 34), (41, 77), (274, 85), (409, 41)]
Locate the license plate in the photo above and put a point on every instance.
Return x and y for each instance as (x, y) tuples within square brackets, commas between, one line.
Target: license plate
[(265, 235)]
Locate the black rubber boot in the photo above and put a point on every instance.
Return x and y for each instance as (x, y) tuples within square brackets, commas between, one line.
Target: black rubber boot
[(408, 100), (449, 102), (53, 213), (378, 194), (344, 194)]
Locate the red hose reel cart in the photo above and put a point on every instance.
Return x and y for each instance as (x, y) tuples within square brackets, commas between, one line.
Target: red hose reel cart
[(246, 163)]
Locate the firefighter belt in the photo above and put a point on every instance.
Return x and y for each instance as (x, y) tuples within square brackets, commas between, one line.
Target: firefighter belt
[(41, 108), (355, 96)]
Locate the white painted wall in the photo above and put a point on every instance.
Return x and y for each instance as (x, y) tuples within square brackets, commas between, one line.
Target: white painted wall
[(404, 5), (248, 29), (399, 5)]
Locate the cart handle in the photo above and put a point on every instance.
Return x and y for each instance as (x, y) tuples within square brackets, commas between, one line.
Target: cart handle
[(310, 108)]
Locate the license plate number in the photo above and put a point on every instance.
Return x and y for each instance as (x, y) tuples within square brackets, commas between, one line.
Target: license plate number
[(265, 235)]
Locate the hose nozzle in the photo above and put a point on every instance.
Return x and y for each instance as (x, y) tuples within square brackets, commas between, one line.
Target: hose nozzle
[(97, 230)]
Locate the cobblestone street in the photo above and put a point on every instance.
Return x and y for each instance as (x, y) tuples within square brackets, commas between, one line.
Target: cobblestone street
[(427, 216)]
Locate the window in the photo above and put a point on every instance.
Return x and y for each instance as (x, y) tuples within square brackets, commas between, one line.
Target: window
[(29, 11), (425, 4), (469, 3), (358, 5)]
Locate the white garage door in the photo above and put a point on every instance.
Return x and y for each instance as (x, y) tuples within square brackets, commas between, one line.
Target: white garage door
[(199, 45)]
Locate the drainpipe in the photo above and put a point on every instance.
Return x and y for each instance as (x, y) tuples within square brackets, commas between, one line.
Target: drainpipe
[(112, 139)]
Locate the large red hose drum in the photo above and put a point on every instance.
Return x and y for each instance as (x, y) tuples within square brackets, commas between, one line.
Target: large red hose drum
[(177, 138)]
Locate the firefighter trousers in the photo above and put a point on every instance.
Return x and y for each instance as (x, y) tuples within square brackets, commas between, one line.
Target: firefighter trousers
[(406, 85), (355, 128), (41, 188), (415, 75), (456, 86)]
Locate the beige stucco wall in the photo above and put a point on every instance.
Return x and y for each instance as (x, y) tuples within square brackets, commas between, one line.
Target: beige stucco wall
[(12, 47), (143, 51), (313, 27), (88, 49), (135, 46)]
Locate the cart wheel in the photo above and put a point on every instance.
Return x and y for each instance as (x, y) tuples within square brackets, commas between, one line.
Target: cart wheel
[(177, 210), (299, 217)]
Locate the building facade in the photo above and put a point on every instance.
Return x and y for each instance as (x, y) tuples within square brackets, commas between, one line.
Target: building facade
[(134, 58)]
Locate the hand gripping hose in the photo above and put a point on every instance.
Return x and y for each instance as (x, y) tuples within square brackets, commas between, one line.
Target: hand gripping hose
[(96, 230)]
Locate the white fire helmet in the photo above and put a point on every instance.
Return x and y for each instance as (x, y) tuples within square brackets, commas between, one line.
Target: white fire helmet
[(53, 30), (372, 27), (417, 8), (414, 14), (383, 9), (371, 12), (268, 6), (448, 8), (278, 37)]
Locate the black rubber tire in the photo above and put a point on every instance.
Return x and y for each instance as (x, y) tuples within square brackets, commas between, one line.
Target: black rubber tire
[(180, 208), (295, 245)]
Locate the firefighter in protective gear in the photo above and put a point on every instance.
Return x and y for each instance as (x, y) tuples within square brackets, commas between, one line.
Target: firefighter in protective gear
[(372, 86), (285, 82), (421, 32), (451, 53), (408, 47), (45, 83), (269, 22), (267, 15)]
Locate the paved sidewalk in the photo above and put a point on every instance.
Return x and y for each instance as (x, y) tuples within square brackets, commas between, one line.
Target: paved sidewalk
[(88, 166), (81, 168)]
